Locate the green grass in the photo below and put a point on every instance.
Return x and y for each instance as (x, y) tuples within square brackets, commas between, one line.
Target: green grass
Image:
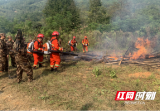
[(76, 87)]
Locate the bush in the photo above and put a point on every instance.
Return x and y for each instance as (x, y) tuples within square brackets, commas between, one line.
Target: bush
[(96, 71), (113, 74)]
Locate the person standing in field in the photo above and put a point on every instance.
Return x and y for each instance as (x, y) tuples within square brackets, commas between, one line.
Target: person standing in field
[(73, 43), (85, 44), (21, 59), (38, 46), (55, 57)]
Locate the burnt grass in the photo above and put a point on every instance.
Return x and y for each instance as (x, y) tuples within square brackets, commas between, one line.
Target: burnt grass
[(76, 87)]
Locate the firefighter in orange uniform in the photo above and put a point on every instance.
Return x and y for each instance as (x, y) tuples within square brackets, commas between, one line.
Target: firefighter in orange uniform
[(72, 43), (85, 44), (38, 46), (55, 57)]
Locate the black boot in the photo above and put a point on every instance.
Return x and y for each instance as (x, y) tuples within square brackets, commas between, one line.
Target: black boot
[(35, 67), (40, 65), (52, 69), (55, 69)]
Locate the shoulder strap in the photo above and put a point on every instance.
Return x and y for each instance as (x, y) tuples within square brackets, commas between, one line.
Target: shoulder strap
[(52, 40), (37, 41)]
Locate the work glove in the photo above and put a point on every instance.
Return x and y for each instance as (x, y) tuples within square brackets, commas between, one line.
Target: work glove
[(60, 48)]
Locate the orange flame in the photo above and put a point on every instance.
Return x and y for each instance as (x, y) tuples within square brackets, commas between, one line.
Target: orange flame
[(141, 45), (113, 58)]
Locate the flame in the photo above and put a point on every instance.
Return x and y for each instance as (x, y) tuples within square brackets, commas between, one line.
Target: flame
[(142, 46), (151, 56), (113, 58)]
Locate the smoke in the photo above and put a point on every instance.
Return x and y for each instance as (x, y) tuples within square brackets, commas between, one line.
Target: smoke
[(133, 19)]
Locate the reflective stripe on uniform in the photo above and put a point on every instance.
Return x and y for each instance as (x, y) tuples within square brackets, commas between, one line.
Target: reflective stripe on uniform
[(51, 66), (35, 65), (41, 62), (39, 48), (57, 65)]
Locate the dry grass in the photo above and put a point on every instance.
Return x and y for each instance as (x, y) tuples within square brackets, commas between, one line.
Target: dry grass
[(75, 87)]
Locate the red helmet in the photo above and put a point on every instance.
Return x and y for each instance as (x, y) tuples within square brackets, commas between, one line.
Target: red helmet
[(85, 37), (40, 36), (74, 37), (55, 33)]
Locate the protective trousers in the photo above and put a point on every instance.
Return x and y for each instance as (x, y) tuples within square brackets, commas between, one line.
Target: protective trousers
[(85, 48), (37, 59), (55, 60), (72, 48)]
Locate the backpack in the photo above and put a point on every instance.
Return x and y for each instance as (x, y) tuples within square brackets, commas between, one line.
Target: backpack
[(30, 47), (48, 47)]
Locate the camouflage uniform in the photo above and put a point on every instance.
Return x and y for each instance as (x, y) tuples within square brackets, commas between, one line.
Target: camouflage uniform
[(3, 56), (10, 47), (22, 62)]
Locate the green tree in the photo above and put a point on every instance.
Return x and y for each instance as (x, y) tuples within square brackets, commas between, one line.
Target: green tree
[(62, 14), (97, 13)]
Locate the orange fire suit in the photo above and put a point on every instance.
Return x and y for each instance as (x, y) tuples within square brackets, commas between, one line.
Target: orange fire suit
[(73, 42), (85, 44), (38, 46), (55, 57)]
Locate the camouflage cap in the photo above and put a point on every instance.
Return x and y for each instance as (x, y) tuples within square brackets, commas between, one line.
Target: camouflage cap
[(2, 34)]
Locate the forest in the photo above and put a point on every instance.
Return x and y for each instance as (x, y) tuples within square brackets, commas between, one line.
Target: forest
[(98, 19)]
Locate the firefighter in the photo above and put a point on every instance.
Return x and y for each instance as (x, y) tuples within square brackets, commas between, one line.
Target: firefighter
[(55, 57), (85, 44), (38, 46), (73, 43)]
